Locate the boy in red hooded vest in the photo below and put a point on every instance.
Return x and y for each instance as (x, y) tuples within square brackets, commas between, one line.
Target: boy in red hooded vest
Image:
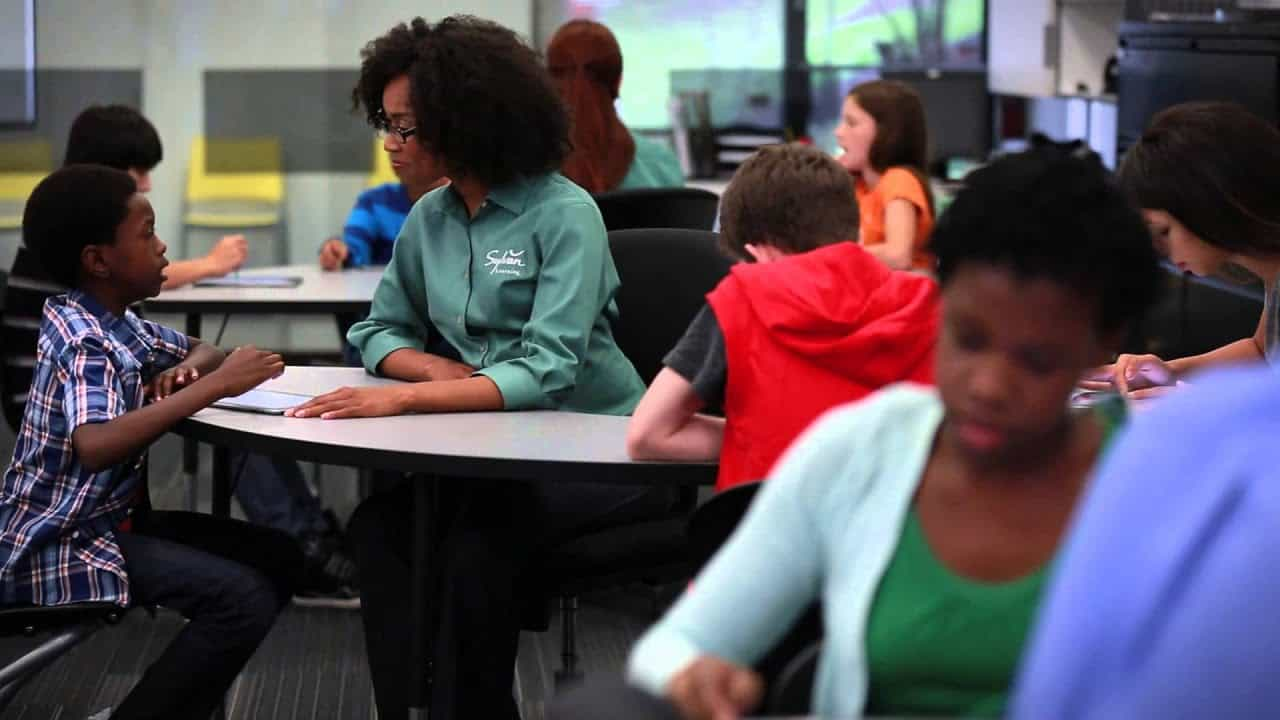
[(808, 322)]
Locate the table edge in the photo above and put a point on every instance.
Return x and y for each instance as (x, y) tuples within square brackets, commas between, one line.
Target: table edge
[(629, 473)]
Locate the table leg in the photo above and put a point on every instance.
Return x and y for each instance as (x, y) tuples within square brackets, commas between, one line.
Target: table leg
[(422, 619), (221, 481), (191, 448)]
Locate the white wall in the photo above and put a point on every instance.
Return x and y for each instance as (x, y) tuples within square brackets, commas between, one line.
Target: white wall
[(175, 41)]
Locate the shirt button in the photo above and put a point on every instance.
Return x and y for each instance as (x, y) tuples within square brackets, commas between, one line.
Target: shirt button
[(459, 319), (75, 534)]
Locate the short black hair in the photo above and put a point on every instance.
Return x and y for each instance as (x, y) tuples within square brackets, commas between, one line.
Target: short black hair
[(1215, 167), (482, 99), (116, 136), (1057, 216), (76, 206)]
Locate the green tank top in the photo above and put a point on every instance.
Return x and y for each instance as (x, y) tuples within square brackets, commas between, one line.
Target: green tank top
[(942, 644)]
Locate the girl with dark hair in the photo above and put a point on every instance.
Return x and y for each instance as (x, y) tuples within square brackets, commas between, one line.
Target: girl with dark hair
[(586, 63), (1206, 176), (882, 132), (926, 521)]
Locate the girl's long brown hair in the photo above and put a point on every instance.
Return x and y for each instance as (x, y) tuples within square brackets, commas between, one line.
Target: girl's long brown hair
[(1215, 167), (586, 63), (902, 137)]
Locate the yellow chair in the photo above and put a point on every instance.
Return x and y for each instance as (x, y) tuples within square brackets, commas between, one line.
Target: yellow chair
[(382, 172), (235, 183), (23, 164)]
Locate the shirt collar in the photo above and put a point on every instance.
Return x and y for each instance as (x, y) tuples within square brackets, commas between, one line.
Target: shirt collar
[(123, 329), (105, 317), (512, 196)]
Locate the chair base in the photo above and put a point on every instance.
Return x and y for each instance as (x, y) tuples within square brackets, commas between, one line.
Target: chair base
[(15, 674)]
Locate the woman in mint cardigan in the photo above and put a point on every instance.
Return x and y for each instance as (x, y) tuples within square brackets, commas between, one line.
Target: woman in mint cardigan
[(924, 520)]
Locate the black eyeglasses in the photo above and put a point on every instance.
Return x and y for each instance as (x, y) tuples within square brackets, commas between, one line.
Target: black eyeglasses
[(384, 128)]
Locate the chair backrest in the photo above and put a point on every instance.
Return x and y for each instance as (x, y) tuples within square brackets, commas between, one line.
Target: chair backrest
[(236, 169), (27, 288), (716, 520), (792, 692), (381, 172), (23, 164), (688, 208), (666, 274)]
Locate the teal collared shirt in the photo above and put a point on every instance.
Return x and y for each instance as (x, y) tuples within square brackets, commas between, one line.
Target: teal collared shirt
[(654, 166), (524, 291)]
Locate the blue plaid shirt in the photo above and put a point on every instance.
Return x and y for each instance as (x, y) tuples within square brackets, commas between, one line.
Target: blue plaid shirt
[(57, 519)]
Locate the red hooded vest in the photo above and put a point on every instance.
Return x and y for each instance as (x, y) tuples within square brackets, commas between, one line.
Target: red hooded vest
[(807, 333)]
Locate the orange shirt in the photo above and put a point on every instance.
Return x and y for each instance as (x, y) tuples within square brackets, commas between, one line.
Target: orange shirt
[(894, 184)]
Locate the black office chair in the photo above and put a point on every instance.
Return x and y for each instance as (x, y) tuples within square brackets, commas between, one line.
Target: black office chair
[(25, 291), (709, 528), (665, 274), (66, 626), (716, 520), (686, 208), (791, 692)]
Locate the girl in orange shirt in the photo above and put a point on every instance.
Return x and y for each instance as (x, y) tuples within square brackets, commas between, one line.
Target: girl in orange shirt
[(882, 132)]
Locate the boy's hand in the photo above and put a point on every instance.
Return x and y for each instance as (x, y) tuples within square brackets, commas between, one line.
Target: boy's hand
[(170, 381), (228, 254), (246, 368), (333, 254), (710, 688)]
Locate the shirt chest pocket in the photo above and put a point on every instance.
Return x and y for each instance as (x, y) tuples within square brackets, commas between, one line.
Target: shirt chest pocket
[(129, 373), (506, 281)]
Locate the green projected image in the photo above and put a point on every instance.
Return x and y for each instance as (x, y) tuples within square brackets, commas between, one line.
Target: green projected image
[(659, 37), (894, 32), (734, 49)]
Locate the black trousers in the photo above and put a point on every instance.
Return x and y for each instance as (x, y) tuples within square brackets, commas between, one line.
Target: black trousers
[(229, 579), (491, 535)]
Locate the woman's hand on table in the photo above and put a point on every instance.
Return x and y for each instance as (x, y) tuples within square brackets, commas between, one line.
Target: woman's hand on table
[(348, 402)]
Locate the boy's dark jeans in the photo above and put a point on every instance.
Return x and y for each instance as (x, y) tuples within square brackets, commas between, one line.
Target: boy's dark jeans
[(229, 579)]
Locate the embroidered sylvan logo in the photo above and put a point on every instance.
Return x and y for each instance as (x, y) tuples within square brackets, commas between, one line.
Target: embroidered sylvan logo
[(504, 262)]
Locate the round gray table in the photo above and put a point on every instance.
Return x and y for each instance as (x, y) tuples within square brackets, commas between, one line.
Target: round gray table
[(538, 446), (320, 292)]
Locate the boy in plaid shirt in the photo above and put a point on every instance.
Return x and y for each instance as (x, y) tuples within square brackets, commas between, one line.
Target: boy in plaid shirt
[(75, 524)]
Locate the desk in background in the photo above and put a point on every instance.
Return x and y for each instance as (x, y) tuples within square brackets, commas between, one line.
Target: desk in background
[(320, 292)]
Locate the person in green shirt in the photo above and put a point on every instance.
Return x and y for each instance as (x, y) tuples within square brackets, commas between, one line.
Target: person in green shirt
[(925, 521), (586, 62), (510, 264)]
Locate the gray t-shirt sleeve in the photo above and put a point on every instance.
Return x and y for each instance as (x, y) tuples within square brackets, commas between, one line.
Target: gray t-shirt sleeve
[(700, 358)]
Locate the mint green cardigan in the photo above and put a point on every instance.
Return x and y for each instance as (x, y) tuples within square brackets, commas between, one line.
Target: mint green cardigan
[(825, 525)]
